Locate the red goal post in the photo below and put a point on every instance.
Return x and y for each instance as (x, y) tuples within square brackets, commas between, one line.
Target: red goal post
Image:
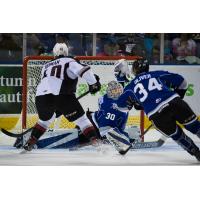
[(31, 73)]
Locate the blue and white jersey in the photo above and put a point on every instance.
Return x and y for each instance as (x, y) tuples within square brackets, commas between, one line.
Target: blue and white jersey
[(152, 90), (108, 114)]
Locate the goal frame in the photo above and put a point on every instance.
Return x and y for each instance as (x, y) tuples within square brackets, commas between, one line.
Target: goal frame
[(24, 80)]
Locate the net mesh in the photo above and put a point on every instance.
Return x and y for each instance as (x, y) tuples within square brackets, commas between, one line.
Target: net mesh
[(32, 76)]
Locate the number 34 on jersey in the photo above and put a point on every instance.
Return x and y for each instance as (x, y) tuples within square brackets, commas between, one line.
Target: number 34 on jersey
[(153, 84)]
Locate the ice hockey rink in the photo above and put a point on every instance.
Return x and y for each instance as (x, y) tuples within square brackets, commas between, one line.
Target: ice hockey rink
[(170, 154)]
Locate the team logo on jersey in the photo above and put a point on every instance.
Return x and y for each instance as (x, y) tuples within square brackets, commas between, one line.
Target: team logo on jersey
[(114, 106), (158, 100)]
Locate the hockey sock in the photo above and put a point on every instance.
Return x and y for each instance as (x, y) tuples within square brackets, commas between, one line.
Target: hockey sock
[(36, 133), (193, 127), (90, 133), (184, 141)]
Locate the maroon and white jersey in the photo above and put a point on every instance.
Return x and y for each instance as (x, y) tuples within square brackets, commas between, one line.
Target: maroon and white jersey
[(60, 76)]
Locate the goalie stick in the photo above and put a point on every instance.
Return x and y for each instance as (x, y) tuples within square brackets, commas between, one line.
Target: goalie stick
[(153, 144), (16, 135)]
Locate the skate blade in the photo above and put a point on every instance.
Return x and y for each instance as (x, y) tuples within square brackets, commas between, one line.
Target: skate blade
[(24, 152)]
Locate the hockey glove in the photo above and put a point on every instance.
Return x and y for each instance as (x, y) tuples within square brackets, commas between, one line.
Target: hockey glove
[(181, 92), (95, 87), (130, 103)]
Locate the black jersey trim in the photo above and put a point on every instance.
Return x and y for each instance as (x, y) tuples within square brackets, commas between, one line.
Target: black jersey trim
[(82, 71)]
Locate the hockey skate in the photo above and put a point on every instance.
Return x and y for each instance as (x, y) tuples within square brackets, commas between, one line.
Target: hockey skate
[(196, 153), (30, 144), (19, 142)]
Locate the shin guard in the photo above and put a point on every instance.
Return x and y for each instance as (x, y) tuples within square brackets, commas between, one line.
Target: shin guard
[(184, 141)]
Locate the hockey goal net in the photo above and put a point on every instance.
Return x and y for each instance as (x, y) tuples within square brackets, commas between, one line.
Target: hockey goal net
[(103, 66)]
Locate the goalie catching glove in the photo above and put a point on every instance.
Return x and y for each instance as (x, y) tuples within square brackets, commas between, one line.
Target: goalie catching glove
[(130, 103), (95, 87)]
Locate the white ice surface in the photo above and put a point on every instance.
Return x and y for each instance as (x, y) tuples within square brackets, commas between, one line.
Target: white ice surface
[(169, 154)]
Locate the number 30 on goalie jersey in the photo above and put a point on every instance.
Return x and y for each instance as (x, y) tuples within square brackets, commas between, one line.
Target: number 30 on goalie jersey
[(109, 115)]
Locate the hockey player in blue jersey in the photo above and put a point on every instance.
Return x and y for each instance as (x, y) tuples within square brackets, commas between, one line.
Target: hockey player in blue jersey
[(160, 94)]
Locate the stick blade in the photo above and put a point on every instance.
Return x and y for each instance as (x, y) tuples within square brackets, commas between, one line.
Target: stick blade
[(9, 133)]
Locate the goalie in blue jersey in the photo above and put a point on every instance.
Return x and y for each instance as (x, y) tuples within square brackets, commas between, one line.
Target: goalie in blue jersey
[(160, 94)]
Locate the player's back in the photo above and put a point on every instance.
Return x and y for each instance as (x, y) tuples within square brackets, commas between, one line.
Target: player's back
[(55, 77), (109, 115), (152, 90)]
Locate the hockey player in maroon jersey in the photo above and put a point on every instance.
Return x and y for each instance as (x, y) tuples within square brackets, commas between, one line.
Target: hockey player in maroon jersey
[(56, 92)]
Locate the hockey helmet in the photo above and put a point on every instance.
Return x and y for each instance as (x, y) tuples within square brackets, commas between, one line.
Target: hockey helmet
[(140, 66), (60, 49), (114, 90)]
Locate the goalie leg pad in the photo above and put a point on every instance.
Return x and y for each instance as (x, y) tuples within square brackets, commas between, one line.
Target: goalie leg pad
[(119, 141)]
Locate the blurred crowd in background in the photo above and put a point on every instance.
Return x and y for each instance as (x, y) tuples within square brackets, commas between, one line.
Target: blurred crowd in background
[(178, 48)]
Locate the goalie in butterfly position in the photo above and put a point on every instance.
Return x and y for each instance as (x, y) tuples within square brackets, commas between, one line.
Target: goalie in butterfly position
[(56, 92), (160, 94)]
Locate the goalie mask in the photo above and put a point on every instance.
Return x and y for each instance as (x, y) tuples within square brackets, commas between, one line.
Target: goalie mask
[(60, 49), (140, 66), (114, 90)]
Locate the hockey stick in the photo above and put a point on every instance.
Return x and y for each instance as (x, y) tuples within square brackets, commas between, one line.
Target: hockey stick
[(145, 145), (146, 131), (84, 94), (16, 135)]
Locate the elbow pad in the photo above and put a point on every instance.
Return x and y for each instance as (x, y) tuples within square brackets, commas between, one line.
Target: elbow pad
[(183, 85), (89, 77), (181, 90)]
